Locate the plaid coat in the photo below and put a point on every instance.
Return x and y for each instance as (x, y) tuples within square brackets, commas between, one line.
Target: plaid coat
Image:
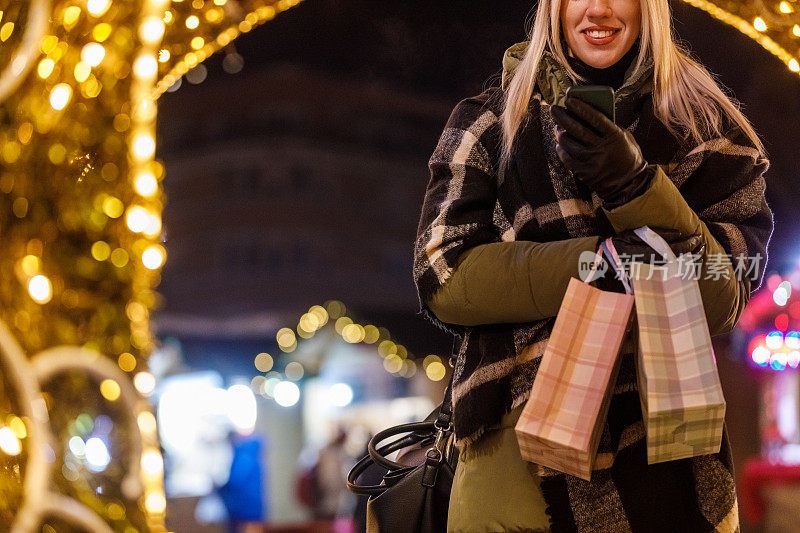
[(469, 201)]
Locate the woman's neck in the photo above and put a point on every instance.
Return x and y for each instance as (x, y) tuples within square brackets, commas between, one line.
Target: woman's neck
[(613, 76)]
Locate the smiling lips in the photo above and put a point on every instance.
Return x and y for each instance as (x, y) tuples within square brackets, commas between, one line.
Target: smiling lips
[(600, 35)]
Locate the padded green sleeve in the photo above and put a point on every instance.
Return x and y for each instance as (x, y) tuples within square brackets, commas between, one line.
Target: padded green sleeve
[(509, 282), (663, 206)]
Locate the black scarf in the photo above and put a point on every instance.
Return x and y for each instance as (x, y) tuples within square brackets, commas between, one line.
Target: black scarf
[(613, 76)]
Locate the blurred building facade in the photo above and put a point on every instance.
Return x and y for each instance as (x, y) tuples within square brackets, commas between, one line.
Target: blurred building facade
[(285, 186)]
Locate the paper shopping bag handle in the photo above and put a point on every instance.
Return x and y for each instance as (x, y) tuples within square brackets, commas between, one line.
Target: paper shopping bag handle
[(656, 242), (611, 252)]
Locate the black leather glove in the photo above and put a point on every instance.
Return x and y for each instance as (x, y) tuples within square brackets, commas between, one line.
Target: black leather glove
[(631, 248), (599, 153)]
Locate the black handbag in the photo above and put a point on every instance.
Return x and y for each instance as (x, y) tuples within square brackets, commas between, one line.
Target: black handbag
[(411, 498)]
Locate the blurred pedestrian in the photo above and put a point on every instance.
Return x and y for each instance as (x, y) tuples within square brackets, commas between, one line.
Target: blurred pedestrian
[(244, 492)]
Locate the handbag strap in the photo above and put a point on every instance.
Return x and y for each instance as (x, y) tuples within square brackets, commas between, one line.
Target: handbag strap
[(442, 424), (424, 433), (365, 462), (444, 418)]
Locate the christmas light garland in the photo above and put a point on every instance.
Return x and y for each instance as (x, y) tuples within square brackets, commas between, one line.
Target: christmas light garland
[(396, 358), (81, 203), (782, 35), (211, 25)]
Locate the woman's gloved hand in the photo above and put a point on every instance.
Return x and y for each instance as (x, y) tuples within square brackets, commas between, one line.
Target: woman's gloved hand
[(599, 153), (631, 248)]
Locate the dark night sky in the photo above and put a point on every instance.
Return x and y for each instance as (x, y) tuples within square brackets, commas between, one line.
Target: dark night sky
[(452, 49)]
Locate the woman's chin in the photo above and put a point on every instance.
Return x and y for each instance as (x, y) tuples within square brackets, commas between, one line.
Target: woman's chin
[(599, 58)]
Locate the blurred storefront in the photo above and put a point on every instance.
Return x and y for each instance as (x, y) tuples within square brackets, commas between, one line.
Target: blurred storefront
[(306, 399), (768, 338)]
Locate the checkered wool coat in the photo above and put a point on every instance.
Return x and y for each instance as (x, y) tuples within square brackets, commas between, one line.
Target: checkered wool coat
[(469, 201)]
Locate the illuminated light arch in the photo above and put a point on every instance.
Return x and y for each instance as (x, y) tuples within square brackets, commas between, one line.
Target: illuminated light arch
[(782, 33), (234, 18), (68, 165)]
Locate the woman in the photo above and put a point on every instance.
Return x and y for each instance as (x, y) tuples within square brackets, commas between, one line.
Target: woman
[(523, 180)]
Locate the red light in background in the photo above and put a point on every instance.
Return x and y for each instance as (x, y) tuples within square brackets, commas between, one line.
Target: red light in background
[(756, 341), (782, 322)]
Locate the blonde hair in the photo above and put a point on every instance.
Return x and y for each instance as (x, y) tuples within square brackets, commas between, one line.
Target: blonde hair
[(685, 96)]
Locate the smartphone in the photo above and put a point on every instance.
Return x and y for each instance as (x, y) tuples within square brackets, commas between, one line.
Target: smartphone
[(601, 97)]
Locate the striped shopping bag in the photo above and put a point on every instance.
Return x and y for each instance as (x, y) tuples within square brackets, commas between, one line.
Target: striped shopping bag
[(679, 388), (561, 423)]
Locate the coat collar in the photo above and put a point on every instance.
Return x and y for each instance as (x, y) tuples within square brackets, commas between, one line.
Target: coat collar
[(552, 81)]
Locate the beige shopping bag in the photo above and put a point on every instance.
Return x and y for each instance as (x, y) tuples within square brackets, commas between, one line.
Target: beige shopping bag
[(682, 402), (561, 422)]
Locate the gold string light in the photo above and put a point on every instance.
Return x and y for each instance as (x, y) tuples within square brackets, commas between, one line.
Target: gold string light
[(195, 30), (396, 359), (776, 27), (67, 263)]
